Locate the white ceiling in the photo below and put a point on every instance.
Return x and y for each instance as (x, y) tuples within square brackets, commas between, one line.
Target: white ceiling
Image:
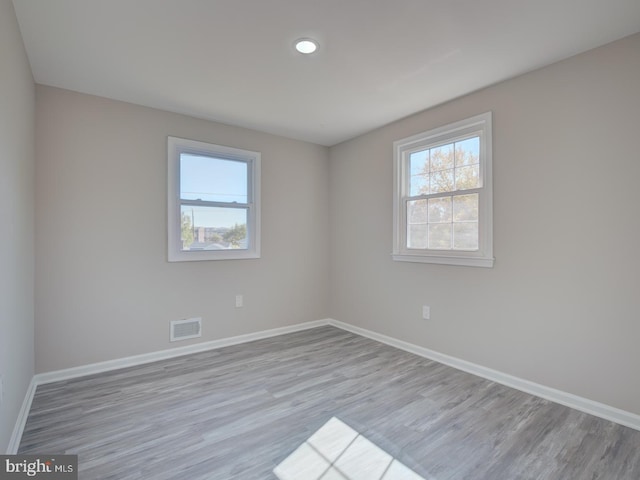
[(232, 61)]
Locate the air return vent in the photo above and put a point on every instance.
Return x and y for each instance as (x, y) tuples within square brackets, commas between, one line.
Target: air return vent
[(187, 328)]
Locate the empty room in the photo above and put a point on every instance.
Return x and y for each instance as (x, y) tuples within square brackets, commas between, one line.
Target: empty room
[(319, 240)]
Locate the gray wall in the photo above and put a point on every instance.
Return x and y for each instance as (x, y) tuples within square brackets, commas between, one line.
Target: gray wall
[(17, 124), (104, 287), (561, 306)]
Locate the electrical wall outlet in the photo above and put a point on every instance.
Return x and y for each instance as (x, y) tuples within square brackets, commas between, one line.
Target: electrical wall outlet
[(239, 301), (426, 312)]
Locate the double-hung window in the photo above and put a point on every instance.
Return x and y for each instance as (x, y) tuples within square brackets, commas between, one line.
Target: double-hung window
[(443, 195), (214, 202)]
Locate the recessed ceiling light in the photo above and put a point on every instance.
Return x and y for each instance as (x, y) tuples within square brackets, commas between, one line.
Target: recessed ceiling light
[(306, 45)]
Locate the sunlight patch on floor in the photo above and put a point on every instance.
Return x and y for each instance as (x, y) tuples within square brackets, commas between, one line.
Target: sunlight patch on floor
[(338, 452)]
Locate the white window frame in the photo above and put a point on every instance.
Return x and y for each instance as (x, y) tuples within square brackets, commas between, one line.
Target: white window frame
[(478, 125), (177, 146)]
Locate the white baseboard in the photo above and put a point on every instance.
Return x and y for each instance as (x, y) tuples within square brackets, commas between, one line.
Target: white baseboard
[(16, 436), (93, 368), (585, 405), (601, 410)]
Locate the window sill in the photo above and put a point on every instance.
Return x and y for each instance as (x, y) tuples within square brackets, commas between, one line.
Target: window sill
[(203, 256), (486, 262)]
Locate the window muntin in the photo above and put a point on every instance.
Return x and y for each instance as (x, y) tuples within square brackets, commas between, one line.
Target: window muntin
[(213, 202), (442, 197)]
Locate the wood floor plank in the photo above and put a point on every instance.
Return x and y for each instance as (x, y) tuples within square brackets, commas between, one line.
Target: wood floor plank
[(236, 412)]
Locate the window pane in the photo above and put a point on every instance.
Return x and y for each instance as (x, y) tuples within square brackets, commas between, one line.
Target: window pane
[(442, 181), (465, 208), (419, 185), (213, 228), (417, 211), (440, 210), (440, 236), (419, 178), (417, 236), (467, 177), (212, 179), (442, 158), (417, 224), (468, 152), (465, 236), (419, 162)]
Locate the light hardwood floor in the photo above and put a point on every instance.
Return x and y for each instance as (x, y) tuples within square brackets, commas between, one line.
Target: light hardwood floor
[(237, 412)]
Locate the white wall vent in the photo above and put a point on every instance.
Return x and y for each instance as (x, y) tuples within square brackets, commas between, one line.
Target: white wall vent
[(187, 328)]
